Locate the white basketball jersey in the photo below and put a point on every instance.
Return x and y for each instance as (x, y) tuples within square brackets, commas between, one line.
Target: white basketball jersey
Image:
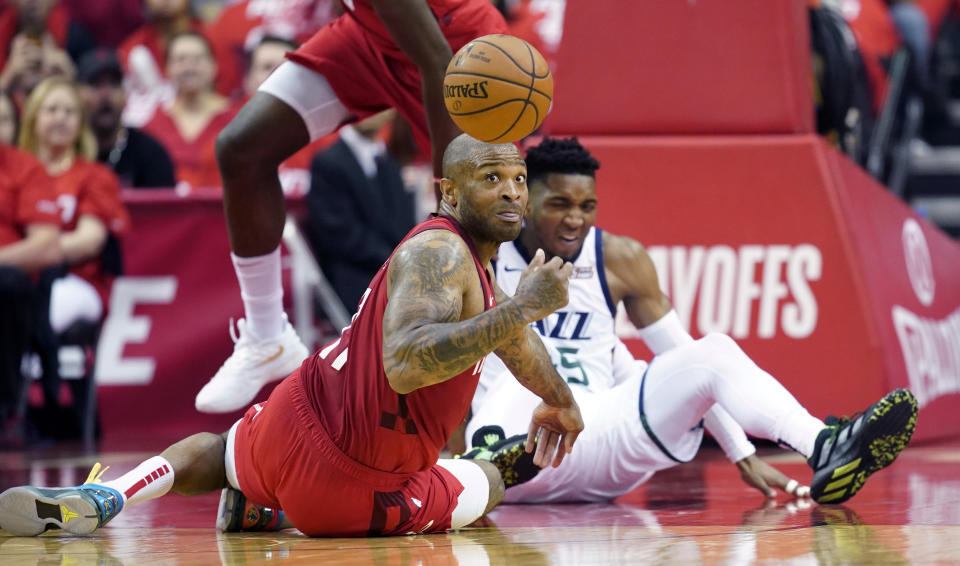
[(614, 454), (581, 332)]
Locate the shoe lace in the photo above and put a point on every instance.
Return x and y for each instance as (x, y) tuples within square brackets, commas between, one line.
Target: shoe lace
[(236, 333), (247, 350), (96, 474), (840, 423)]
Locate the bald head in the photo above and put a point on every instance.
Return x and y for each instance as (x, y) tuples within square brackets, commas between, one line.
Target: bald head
[(466, 153)]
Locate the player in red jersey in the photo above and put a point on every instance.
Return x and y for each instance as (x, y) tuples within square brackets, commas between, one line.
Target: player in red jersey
[(379, 54), (348, 445)]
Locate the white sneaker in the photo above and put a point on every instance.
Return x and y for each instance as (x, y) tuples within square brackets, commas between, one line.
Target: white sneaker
[(253, 364)]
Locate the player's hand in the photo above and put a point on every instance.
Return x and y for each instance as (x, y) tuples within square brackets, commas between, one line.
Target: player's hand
[(558, 428), (757, 473), (543, 286)]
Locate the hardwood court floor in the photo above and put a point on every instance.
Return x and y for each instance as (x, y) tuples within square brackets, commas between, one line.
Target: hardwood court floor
[(699, 513)]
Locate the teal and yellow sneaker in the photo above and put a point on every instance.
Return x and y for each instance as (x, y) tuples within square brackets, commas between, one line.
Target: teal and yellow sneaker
[(849, 450), (507, 454), (29, 511), (235, 514)]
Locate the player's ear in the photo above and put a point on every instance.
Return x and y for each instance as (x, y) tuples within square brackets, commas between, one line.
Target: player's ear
[(449, 192)]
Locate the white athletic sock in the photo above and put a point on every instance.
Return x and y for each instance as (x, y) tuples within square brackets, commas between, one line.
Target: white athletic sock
[(799, 431), (261, 288), (149, 480)]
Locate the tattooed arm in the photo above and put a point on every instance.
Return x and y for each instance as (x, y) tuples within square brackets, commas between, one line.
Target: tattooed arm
[(424, 339), (556, 422), (527, 359)]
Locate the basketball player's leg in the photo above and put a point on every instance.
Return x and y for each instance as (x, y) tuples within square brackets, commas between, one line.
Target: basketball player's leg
[(294, 106), (235, 513), (612, 456), (483, 489), (450, 495), (682, 384), (192, 466)]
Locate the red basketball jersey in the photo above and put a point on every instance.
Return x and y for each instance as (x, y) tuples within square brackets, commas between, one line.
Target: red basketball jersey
[(369, 421)]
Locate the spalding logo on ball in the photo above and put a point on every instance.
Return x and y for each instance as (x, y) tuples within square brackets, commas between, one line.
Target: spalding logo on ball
[(498, 88)]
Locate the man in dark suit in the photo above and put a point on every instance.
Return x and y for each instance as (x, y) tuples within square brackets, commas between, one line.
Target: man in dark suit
[(358, 208)]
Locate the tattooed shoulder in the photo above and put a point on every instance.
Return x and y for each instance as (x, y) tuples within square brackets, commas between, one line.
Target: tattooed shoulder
[(430, 262)]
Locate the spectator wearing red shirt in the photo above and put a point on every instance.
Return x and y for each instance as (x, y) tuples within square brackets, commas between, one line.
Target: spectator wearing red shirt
[(144, 58), (37, 40), (29, 228), (88, 199), (878, 39), (241, 26), (110, 21), (188, 127), (539, 23), (42, 20)]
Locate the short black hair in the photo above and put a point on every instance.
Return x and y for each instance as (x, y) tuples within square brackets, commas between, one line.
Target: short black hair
[(285, 41), (559, 155), (289, 44)]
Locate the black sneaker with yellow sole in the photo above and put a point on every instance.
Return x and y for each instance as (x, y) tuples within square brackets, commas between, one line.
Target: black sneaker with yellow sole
[(849, 450), (507, 454)]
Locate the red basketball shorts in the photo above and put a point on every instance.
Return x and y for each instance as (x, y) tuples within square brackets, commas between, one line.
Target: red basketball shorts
[(367, 80), (286, 460)]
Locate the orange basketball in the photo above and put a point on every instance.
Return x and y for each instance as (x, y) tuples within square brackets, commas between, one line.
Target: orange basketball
[(498, 88)]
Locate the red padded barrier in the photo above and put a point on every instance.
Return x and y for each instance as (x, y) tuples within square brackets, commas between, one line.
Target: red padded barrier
[(676, 67)]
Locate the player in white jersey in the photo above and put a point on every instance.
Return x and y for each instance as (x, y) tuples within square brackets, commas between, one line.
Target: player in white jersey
[(638, 418)]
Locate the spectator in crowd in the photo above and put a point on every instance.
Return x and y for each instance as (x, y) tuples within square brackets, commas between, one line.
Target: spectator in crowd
[(877, 37), (135, 157), (88, 199), (356, 192), (144, 58), (265, 57), (914, 28), (9, 120), (33, 35), (243, 25), (110, 21), (538, 22), (29, 228), (188, 127), (44, 22)]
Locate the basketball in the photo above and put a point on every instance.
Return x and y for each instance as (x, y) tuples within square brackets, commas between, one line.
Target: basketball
[(498, 88)]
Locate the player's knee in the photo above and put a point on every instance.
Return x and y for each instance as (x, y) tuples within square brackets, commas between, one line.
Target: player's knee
[(243, 152), (495, 480), (719, 343), (197, 463), (234, 148)]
